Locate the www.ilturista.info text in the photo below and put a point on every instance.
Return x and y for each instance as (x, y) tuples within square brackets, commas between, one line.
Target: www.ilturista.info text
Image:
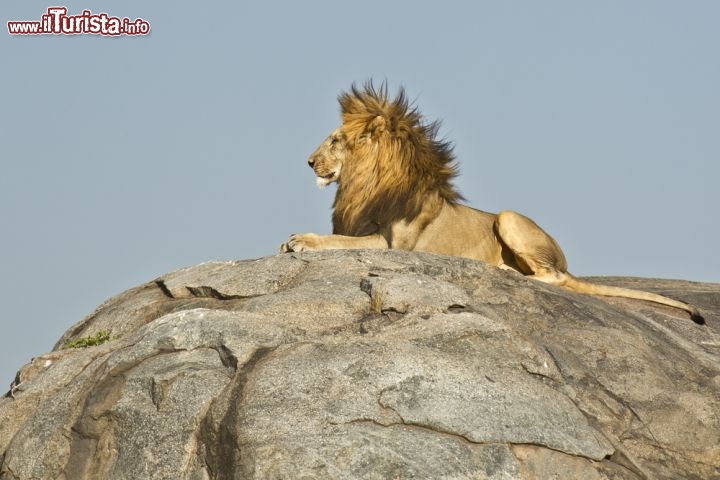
[(57, 22)]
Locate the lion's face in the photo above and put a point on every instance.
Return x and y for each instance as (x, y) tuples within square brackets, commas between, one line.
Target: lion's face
[(327, 160)]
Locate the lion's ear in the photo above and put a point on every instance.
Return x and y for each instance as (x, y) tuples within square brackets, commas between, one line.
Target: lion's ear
[(376, 127)]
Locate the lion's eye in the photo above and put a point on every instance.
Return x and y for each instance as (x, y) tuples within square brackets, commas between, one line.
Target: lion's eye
[(334, 141)]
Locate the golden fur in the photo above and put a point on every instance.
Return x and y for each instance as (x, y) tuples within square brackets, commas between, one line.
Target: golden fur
[(395, 191)]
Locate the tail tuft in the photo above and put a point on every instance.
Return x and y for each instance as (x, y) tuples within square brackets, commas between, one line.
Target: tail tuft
[(697, 318)]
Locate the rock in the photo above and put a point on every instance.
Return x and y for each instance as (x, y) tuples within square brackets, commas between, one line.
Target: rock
[(372, 365)]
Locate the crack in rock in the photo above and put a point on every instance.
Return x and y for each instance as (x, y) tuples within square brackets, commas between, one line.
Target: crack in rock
[(164, 289), (209, 292), (223, 456)]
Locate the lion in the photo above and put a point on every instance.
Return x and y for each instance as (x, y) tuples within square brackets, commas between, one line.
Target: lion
[(394, 190)]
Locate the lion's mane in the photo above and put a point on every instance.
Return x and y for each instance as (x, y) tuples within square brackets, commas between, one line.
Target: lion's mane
[(395, 162)]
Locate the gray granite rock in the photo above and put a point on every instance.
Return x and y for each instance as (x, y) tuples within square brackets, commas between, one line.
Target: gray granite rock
[(372, 365)]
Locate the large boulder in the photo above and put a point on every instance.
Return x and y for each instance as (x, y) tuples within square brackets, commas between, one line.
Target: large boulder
[(372, 365)]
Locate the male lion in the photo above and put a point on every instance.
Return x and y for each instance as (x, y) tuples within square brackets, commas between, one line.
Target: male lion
[(394, 191)]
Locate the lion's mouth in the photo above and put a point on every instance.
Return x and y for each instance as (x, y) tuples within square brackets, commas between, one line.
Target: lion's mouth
[(325, 180)]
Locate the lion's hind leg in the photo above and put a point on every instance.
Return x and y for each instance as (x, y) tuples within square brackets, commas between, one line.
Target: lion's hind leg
[(537, 255), (532, 250)]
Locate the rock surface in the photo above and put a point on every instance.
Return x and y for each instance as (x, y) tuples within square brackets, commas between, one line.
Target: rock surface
[(372, 365)]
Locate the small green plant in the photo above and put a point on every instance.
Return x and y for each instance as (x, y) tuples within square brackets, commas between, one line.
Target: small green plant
[(91, 341)]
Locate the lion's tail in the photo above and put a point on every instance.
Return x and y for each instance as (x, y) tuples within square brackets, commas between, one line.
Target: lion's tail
[(577, 285)]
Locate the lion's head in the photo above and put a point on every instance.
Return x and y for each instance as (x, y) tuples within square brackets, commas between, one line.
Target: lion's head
[(386, 160), (327, 160)]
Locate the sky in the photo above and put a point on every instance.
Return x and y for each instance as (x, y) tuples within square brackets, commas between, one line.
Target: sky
[(127, 157)]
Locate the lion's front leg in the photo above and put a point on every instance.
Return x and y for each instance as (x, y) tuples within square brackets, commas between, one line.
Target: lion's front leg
[(301, 242)]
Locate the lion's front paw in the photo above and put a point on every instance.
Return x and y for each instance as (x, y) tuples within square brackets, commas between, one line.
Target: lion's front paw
[(301, 242)]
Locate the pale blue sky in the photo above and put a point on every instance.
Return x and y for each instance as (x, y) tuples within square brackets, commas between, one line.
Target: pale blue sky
[(126, 158)]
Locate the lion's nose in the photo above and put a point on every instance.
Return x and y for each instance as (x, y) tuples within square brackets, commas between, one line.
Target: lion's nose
[(311, 161)]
